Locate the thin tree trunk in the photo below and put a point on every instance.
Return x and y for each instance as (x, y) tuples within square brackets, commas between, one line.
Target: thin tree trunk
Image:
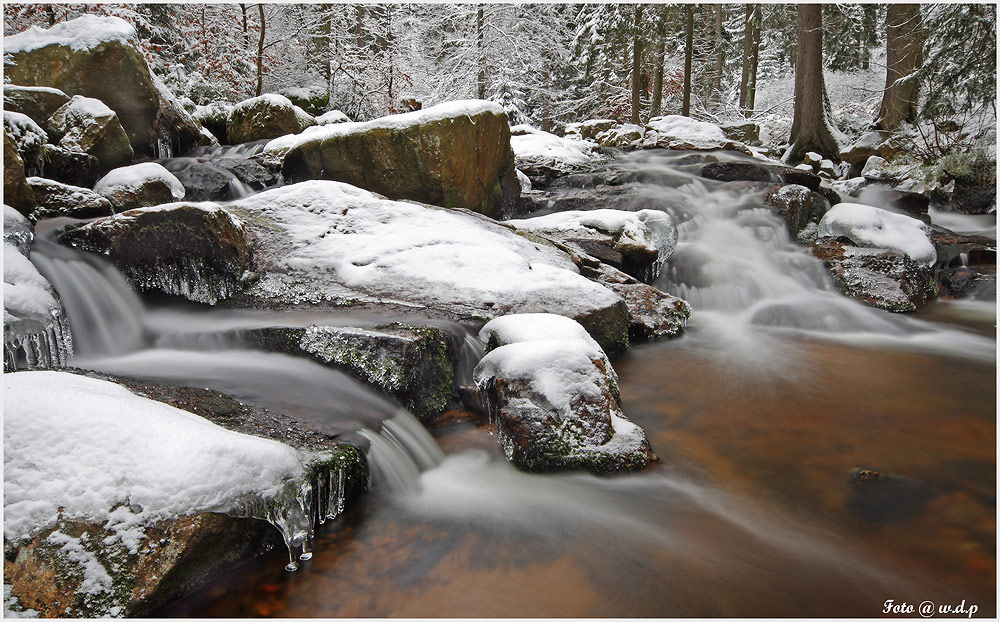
[(754, 58), (480, 54), (637, 65), (810, 125), (688, 58), (360, 27), (654, 110), (260, 52), (388, 49), (904, 56), (246, 31), (717, 74)]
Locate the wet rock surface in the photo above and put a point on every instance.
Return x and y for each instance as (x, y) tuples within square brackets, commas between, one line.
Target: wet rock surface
[(885, 279), (74, 168), (410, 363), (58, 199), (16, 191), (198, 252)]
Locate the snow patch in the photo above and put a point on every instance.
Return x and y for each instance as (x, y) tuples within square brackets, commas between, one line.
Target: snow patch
[(88, 446), (338, 235), (80, 34), (538, 147), (871, 227), (331, 117), (135, 176)]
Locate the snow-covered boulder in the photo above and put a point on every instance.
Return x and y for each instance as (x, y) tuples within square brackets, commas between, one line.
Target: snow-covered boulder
[(882, 278), (38, 102), (679, 132), (455, 154), (35, 329), (140, 185), (213, 117), (266, 116), (198, 251), (328, 241), (58, 199), (29, 138), (87, 125), (871, 227), (869, 144), (744, 132), (312, 100), (877, 169), (16, 191), (621, 136), (98, 57), (332, 117), (552, 395), (590, 128), (543, 156), (113, 502), (638, 243)]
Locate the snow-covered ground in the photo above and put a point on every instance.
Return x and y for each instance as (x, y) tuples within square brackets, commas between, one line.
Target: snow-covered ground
[(534, 146)]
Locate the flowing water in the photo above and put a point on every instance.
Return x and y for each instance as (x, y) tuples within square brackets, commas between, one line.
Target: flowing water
[(761, 414)]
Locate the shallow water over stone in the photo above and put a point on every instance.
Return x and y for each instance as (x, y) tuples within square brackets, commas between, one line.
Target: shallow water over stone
[(819, 458)]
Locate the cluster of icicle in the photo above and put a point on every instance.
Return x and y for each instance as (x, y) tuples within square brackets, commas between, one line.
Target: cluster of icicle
[(46, 347), (299, 509)]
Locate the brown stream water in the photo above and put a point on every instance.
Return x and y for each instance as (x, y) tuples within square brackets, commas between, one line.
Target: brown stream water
[(752, 513), (761, 413)]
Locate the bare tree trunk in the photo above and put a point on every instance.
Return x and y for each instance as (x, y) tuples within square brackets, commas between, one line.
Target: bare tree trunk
[(637, 65), (260, 52), (480, 54), (688, 58), (360, 27), (810, 125), (654, 110), (246, 31), (904, 55), (751, 53), (717, 73)]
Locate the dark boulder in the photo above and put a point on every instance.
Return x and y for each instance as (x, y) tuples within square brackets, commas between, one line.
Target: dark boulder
[(196, 251), (885, 279), (58, 199), (71, 167), (16, 191)]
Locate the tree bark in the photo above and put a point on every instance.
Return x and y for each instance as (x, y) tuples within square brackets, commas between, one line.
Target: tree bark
[(260, 52), (904, 56), (751, 53), (811, 130), (480, 55), (688, 57), (637, 65), (654, 109), (717, 73)]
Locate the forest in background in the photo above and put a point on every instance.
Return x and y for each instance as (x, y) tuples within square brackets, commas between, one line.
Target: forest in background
[(551, 64)]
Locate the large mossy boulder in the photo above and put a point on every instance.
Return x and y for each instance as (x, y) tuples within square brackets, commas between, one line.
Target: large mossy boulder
[(16, 191), (325, 242), (265, 116), (452, 155), (553, 397), (93, 56), (196, 251), (99, 57), (87, 125)]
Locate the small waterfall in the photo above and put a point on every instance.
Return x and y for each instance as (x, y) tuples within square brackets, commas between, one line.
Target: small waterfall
[(105, 314), (400, 453)]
